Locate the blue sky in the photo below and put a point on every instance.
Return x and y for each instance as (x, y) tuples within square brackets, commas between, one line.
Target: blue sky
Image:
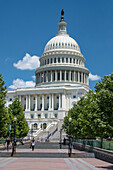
[(27, 25)]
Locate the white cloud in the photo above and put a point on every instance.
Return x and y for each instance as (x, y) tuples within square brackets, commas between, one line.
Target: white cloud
[(28, 63), (19, 83), (94, 77)]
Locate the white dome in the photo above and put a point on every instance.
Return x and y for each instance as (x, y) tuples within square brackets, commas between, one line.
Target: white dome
[(61, 42)]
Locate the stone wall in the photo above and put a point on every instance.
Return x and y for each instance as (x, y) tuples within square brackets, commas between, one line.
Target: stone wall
[(102, 154)]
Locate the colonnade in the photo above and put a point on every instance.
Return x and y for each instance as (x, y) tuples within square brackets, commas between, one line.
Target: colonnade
[(60, 75), (43, 102)]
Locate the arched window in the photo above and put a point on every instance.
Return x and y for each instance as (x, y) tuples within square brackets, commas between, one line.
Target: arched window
[(35, 126), (62, 44), (58, 60)]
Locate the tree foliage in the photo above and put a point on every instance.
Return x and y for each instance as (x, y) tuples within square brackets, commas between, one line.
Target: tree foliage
[(92, 116), (15, 109), (4, 119)]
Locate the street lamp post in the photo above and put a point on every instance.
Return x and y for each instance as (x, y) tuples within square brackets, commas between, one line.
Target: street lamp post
[(60, 138), (70, 142), (13, 147)]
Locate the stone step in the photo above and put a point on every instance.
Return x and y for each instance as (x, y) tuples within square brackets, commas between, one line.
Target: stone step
[(47, 155)]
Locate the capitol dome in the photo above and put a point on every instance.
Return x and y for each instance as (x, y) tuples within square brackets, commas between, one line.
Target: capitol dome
[(62, 41)]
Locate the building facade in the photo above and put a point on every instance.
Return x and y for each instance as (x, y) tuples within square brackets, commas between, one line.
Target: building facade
[(61, 80)]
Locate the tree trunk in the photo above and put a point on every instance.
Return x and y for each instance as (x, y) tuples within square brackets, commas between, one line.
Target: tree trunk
[(101, 142)]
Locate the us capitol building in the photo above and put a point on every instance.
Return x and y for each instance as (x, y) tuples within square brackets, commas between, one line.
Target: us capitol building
[(61, 80)]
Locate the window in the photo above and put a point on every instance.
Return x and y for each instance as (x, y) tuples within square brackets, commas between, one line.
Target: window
[(54, 60), (59, 44), (56, 44), (10, 99), (46, 115), (62, 44), (57, 105), (74, 105), (63, 60), (71, 45), (74, 97), (34, 98), (62, 75), (47, 97), (58, 76), (32, 116), (53, 44), (48, 61), (45, 62), (66, 76), (70, 60), (57, 97), (66, 44), (77, 61), (51, 60), (56, 115), (66, 60), (74, 60), (58, 60)]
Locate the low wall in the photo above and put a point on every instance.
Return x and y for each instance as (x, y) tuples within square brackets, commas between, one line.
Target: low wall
[(102, 154)]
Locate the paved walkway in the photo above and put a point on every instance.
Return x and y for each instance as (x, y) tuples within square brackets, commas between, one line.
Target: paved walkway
[(53, 164)]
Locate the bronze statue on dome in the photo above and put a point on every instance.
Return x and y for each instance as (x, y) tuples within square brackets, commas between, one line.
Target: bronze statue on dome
[(62, 12)]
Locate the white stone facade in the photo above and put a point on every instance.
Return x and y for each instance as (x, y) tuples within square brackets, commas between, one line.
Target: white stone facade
[(61, 80)]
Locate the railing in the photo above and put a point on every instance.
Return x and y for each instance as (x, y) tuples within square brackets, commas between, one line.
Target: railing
[(108, 145)]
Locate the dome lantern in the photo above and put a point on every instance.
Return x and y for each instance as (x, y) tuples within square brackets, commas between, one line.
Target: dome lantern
[(62, 25)]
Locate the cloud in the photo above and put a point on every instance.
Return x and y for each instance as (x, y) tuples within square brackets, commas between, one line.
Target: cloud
[(28, 63), (19, 83), (94, 77)]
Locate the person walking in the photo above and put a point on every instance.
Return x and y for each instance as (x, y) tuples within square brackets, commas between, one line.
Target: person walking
[(33, 144), (8, 143)]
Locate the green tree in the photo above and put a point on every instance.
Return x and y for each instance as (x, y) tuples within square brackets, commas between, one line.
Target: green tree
[(4, 119), (93, 115), (15, 109)]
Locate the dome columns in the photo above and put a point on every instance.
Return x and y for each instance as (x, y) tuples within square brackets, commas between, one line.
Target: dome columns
[(62, 76)]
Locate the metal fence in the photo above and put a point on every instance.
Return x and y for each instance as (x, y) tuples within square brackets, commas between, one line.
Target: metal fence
[(108, 145)]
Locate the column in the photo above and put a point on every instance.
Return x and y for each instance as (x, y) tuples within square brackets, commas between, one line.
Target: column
[(74, 76), (36, 103), (47, 76), (42, 102), (65, 75), (49, 101), (55, 75), (29, 103), (56, 59), (64, 59), (63, 101), (51, 76), (26, 103), (84, 78), (70, 75), (78, 76), (20, 98), (59, 101), (60, 75), (52, 101), (72, 60)]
